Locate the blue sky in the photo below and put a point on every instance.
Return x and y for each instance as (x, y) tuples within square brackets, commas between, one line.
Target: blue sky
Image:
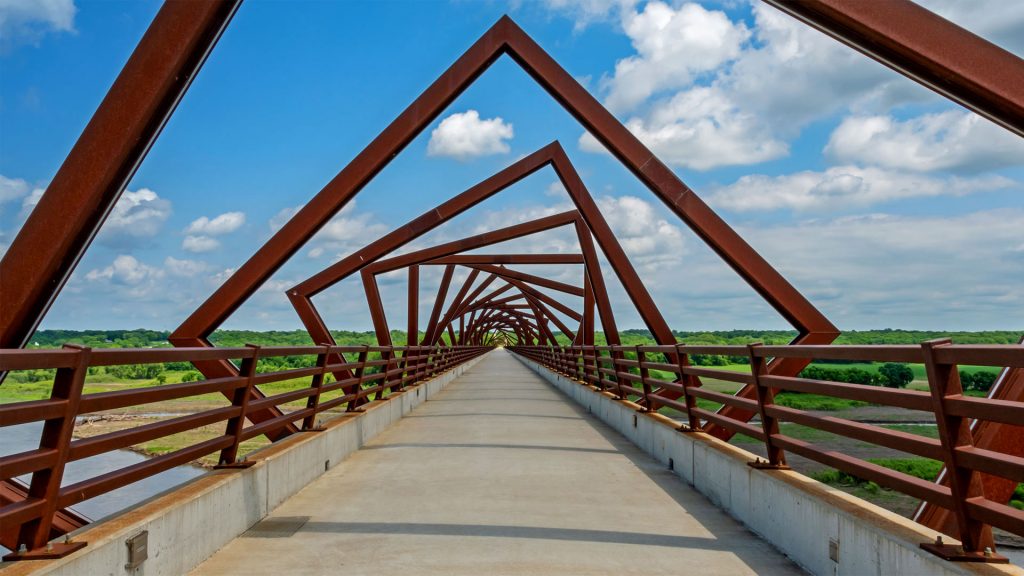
[(886, 205)]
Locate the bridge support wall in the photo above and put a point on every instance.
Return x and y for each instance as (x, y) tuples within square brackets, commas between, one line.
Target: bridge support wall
[(798, 515), (189, 523)]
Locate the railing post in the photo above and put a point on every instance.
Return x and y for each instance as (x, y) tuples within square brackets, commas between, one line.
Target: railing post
[(360, 373), (240, 399), (765, 397), (641, 359), (313, 402), (580, 361), (385, 382), (692, 421), (403, 365), (597, 370), (964, 483), (45, 484), (616, 354)]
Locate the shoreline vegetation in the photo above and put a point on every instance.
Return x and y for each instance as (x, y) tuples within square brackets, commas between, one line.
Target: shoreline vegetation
[(36, 384)]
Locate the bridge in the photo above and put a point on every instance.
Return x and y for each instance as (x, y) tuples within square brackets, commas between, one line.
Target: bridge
[(501, 435), (499, 470)]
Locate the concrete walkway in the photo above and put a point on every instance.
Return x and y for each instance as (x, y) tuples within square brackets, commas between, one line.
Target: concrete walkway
[(500, 474)]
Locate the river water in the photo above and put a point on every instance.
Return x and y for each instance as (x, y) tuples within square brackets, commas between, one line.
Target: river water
[(26, 437)]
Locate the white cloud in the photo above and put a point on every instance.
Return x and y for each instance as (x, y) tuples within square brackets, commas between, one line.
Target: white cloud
[(125, 269), (223, 224), (952, 140), (585, 12), (136, 215), (841, 187), (701, 129), (556, 190), (199, 244), (346, 232), (184, 268), (645, 236), (27, 20), (886, 271), (464, 135), (12, 189), (672, 46)]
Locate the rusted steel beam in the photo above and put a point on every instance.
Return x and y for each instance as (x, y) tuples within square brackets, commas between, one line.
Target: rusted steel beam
[(926, 48), (987, 435), (503, 38), (466, 259), (64, 521), (460, 296), (412, 317), (442, 293), (604, 305), (530, 278), (533, 303), (103, 160), (376, 306), (461, 245), (587, 321)]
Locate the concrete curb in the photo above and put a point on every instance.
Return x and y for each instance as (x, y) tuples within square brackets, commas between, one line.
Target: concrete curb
[(796, 514), (189, 523)]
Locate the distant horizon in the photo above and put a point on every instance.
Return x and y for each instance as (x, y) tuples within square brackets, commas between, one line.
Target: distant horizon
[(621, 330)]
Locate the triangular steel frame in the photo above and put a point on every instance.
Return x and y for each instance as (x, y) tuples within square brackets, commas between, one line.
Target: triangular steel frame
[(507, 38)]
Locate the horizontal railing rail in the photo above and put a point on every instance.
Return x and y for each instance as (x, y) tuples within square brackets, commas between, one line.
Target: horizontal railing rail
[(27, 523), (637, 373)]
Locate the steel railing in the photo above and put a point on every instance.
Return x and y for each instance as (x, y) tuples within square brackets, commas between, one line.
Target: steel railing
[(612, 370), (27, 523)]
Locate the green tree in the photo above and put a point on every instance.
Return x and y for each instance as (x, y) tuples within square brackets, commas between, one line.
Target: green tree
[(894, 375)]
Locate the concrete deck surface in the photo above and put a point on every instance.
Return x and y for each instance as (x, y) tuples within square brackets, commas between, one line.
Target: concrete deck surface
[(500, 474)]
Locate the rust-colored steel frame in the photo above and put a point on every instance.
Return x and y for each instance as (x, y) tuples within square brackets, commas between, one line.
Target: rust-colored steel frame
[(370, 270), (541, 312), (504, 38), (905, 37), (533, 303)]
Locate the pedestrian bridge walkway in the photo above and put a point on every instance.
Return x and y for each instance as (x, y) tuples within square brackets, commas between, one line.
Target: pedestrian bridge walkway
[(500, 473)]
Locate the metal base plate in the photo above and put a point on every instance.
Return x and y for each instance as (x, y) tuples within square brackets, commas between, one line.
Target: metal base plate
[(56, 550), (239, 464), (955, 553), (765, 465)]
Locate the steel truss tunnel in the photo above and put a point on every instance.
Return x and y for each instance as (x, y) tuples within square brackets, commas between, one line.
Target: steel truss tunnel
[(497, 304)]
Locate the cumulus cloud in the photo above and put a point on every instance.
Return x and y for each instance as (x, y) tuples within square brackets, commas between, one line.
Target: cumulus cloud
[(199, 235), (842, 187), (26, 21), (672, 45), (223, 224), (585, 12), (136, 215), (883, 270), (747, 90), (646, 236), (12, 189), (952, 140), (465, 135), (184, 268), (199, 244), (701, 129), (349, 230), (125, 269)]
